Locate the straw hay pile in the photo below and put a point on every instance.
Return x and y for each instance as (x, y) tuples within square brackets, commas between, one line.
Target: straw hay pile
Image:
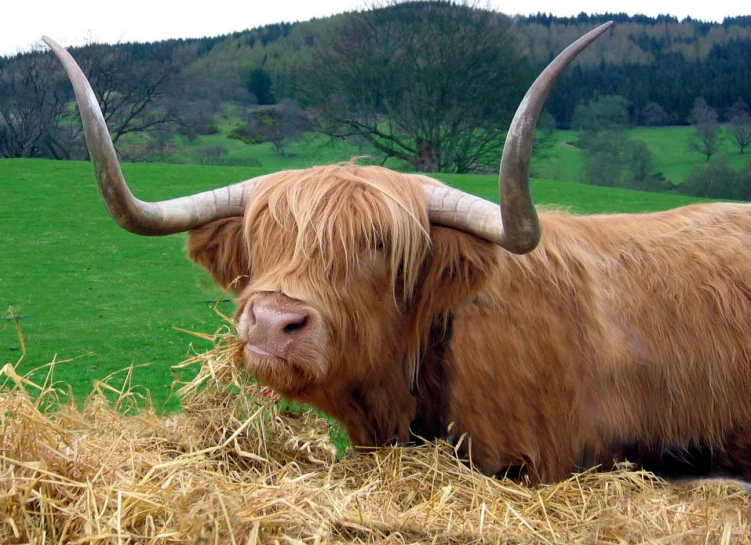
[(236, 469)]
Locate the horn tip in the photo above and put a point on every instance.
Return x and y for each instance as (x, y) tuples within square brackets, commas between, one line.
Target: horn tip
[(53, 45)]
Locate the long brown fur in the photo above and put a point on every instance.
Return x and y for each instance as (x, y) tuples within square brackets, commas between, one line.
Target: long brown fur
[(616, 330)]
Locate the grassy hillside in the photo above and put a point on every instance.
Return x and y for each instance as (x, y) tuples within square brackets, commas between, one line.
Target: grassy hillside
[(668, 145), (91, 292), (311, 149)]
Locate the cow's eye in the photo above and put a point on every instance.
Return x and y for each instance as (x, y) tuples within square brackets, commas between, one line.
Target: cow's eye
[(380, 246)]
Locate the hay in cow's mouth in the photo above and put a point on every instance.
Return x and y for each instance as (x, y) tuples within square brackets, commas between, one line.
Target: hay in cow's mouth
[(234, 467)]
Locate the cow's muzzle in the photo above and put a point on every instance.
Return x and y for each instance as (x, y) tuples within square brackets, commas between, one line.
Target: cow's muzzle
[(274, 325), (285, 341), (273, 329)]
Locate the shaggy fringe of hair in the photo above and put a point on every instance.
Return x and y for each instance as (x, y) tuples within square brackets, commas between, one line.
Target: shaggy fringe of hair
[(339, 211)]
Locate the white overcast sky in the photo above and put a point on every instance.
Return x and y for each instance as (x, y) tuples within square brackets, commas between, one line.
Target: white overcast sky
[(73, 22)]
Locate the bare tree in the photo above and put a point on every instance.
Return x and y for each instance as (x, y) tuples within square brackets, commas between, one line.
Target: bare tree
[(33, 99), (653, 115), (128, 82), (740, 124), (706, 138), (291, 124), (431, 83), (740, 130), (739, 107), (196, 118), (279, 124)]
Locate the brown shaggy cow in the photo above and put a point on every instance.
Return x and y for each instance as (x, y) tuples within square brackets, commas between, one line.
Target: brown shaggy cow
[(405, 309)]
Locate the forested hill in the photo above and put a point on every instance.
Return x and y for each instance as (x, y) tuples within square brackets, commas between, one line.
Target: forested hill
[(659, 61)]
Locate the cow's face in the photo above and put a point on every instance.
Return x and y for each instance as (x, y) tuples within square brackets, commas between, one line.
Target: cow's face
[(340, 279), (335, 255)]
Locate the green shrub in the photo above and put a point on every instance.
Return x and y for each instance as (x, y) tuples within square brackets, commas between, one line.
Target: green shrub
[(242, 133)]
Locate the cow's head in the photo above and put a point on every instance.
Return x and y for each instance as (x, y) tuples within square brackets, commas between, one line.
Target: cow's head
[(340, 275), (341, 271), (336, 253)]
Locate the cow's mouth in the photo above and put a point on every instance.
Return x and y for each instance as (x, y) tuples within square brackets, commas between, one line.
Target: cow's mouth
[(256, 350), (281, 374)]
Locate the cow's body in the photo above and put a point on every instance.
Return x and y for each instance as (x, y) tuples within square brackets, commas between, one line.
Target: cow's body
[(405, 309), (618, 330)]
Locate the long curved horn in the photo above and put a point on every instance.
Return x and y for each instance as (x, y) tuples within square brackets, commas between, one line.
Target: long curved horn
[(137, 216), (516, 228)]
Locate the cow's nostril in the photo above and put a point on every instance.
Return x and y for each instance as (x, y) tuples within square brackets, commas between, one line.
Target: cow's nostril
[(292, 327)]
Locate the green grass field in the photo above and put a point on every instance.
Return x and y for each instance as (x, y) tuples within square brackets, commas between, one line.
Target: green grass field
[(105, 299)]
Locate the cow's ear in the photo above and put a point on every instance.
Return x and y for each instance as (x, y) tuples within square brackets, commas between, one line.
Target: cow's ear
[(457, 268), (220, 248)]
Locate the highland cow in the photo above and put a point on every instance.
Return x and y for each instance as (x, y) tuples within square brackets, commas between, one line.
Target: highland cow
[(409, 310)]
